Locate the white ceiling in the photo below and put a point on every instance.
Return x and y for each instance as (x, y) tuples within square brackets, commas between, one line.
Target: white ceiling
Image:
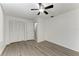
[(23, 9)]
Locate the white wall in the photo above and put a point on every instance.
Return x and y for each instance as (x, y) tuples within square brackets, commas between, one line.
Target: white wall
[(40, 29), (2, 43), (64, 30), (18, 29)]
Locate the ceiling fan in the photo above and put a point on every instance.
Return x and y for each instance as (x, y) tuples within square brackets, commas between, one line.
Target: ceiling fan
[(42, 8)]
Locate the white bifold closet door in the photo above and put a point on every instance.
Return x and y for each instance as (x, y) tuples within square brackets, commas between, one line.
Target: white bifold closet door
[(17, 31)]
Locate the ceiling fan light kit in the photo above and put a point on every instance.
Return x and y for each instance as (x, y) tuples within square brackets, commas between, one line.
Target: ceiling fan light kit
[(41, 10)]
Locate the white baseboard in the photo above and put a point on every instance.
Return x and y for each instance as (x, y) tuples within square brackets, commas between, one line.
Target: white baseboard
[(39, 41), (63, 46)]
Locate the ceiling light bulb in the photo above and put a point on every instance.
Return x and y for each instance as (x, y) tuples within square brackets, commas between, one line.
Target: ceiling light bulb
[(41, 10)]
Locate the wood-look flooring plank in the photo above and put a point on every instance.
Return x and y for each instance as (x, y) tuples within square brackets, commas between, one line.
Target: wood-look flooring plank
[(32, 48), (60, 49), (47, 51)]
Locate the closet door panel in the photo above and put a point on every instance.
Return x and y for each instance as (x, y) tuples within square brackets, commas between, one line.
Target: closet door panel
[(17, 31)]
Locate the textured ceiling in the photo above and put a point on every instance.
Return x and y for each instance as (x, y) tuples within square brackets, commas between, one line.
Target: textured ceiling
[(23, 9)]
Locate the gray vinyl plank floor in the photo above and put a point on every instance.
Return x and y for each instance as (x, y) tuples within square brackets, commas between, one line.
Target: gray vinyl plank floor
[(32, 48)]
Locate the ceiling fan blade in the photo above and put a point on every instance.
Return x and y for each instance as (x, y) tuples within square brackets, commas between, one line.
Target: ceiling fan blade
[(45, 12), (34, 9), (38, 13), (48, 7)]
